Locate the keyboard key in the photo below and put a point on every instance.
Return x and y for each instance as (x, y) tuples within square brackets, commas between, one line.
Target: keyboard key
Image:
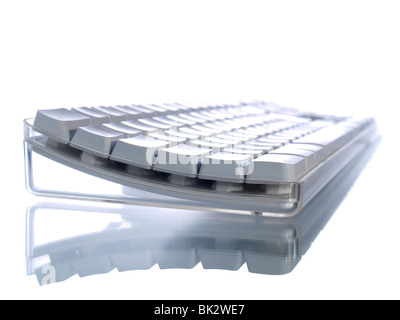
[(308, 155), (267, 143), (330, 138), (145, 111), (170, 122), (185, 120), (138, 151), (182, 159), (253, 110), (217, 125), (251, 152), (97, 117), (158, 109), (229, 142), (200, 115), (60, 124), (195, 132), (168, 107), (215, 146), (318, 150), (276, 167), (155, 123), (236, 136), (224, 166), (194, 117), (144, 128), (132, 113), (274, 138), (321, 124), (207, 129), (127, 131), (181, 134), (252, 145), (162, 136), (96, 140), (115, 114)]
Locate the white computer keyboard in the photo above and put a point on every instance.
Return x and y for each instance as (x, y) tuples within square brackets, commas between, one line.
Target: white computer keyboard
[(255, 156)]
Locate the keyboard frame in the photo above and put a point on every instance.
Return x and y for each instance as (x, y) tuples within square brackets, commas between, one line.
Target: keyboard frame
[(142, 191)]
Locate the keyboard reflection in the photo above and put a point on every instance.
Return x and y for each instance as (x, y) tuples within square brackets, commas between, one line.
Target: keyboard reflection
[(137, 238), (81, 238)]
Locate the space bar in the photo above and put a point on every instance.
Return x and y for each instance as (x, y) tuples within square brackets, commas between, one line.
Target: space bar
[(331, 138)]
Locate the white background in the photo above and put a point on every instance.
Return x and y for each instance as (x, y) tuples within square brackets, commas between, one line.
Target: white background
[(330, 56)]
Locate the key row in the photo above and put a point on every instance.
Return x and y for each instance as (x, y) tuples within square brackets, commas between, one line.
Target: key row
[(61, 124), (267, 164)]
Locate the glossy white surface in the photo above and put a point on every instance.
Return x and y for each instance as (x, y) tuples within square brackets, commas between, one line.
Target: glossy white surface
[(339, 58)]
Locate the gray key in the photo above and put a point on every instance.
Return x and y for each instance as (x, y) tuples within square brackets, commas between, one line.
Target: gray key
[(156, 108), (309, 156), (331, 138), (115, 115), (207, 129), (203, 116), (60, 124), (236, 136), (248, 133), (170, 122), (155, 123), (274, 138), (138, 151), (180, 134), (318, 150), (219, 125), (195, 132), (96, 140), (288, 135), (265, 147), (127, 131), (229, 142), (276, 167), (215, 146), (253, 110), (224, 166), (267, 143), (132, 113), (177, 118), (321, 124), (255, 153), (236, 111), (169, 107), (140, 126), (144, 110), (183, 160), (191, 118), (97, 117), (179, 106), (167, 137), (232, 137), (233, 124), (215, 114)]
